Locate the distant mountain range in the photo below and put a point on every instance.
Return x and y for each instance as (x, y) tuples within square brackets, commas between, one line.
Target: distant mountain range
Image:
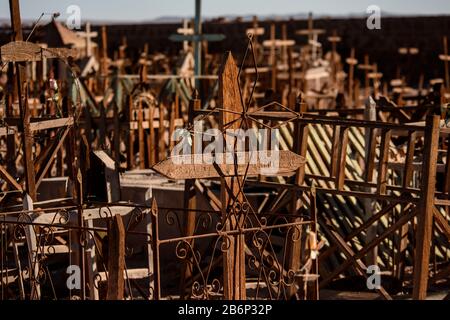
[(229, 17)]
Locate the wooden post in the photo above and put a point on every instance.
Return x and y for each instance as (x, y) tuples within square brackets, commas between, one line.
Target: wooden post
[(342, 157), (446, 59), (300, 146), (370, 114), (334, 39), (447, 174), (284, 53), (273, 59), (383, 161), (143, 62), (151, 136), (367, 68), (117, 106), (172, 113), (74, 153), (198, 44), (189, 198), (104, 59), (81, 233), (234, 257), (130, 147), (116, 137), (141, 135), (314, 229), (116, 258), (335, 145), (149, 245), (155, 244), (425, 209), (291, 81), (273, 75), (88, 125), (161, 131), (382, 177), (33, 254), (16, 23), (102, 125), (91, 264), (366, 76), (403, 232), (10, 138), (27, 136), (351, 75)]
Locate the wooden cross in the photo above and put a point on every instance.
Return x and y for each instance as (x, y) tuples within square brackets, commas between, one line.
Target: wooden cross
[(406, 52), (351, 61), (197, 38), (367, 68), (185, 31), (88, 35), (234, 258), (256, 31), (231, 178), (375, 76), (334, 40), (313, 35), (446, 58), (274, 43)]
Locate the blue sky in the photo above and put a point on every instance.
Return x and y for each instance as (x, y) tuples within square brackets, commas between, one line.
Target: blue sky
[(140, 10)]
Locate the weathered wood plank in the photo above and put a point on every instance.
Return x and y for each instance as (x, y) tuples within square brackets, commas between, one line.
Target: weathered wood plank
[(425, 209), (116, 259), (5, 175), (384, 157), (342, 157), (335, 146), (51, 124), (234, 257), (20, 51), (184, 166)]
